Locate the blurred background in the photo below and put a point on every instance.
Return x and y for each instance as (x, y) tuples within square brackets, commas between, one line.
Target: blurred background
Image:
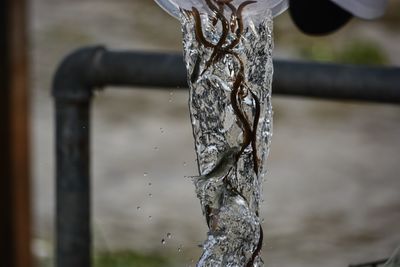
[(332, 193)]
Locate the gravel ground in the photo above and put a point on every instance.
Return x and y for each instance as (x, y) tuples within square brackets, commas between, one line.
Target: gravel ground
[(332, 193)]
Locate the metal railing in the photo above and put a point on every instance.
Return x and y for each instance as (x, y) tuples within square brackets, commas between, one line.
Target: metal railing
[(92, 68)]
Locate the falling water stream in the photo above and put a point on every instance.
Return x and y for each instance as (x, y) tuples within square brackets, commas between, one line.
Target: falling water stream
[(228, 56)]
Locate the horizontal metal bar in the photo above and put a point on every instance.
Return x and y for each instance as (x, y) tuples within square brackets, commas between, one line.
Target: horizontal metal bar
[(332, 81), (141, 69), (307, 79)]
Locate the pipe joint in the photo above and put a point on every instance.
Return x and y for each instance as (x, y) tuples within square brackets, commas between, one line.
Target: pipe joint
[(75, 77)]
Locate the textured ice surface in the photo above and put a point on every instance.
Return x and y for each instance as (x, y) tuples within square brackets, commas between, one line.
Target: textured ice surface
[(229, 189), (276, 6)]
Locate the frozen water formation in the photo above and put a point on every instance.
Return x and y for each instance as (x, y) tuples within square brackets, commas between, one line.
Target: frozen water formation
[(173, 6), (227, 51)]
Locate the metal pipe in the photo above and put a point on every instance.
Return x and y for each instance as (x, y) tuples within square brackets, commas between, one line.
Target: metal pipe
[(95, 67), (72, 90), (141, 69), (321, 80), (73, 220), (332, 81)]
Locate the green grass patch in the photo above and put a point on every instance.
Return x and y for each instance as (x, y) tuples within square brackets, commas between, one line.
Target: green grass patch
[(360, 52)]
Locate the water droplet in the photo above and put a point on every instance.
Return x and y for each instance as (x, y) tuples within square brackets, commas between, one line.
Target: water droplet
[(150, 217), (169, 235), (161, 130), (150, 195), (184, 164), (180, 248), (163, 241), (145, 174), (150, 184), (138, 207), (156, 148), (170, 100), (171, 93)]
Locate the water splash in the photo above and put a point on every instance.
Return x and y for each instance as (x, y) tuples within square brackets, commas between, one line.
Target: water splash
[(229, 64)]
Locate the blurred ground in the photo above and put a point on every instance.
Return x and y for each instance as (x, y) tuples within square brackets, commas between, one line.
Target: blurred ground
[(332, 193)]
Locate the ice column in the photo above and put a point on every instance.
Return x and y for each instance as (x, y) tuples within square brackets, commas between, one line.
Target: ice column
[(229, 64)]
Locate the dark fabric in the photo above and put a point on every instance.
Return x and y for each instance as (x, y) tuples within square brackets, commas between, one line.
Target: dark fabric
[(317, 17)]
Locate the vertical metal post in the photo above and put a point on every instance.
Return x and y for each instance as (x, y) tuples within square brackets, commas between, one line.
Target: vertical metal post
[(73, 183), (72, 91)]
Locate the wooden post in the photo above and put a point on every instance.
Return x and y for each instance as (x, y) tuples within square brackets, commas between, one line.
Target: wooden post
[(15, 222)]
